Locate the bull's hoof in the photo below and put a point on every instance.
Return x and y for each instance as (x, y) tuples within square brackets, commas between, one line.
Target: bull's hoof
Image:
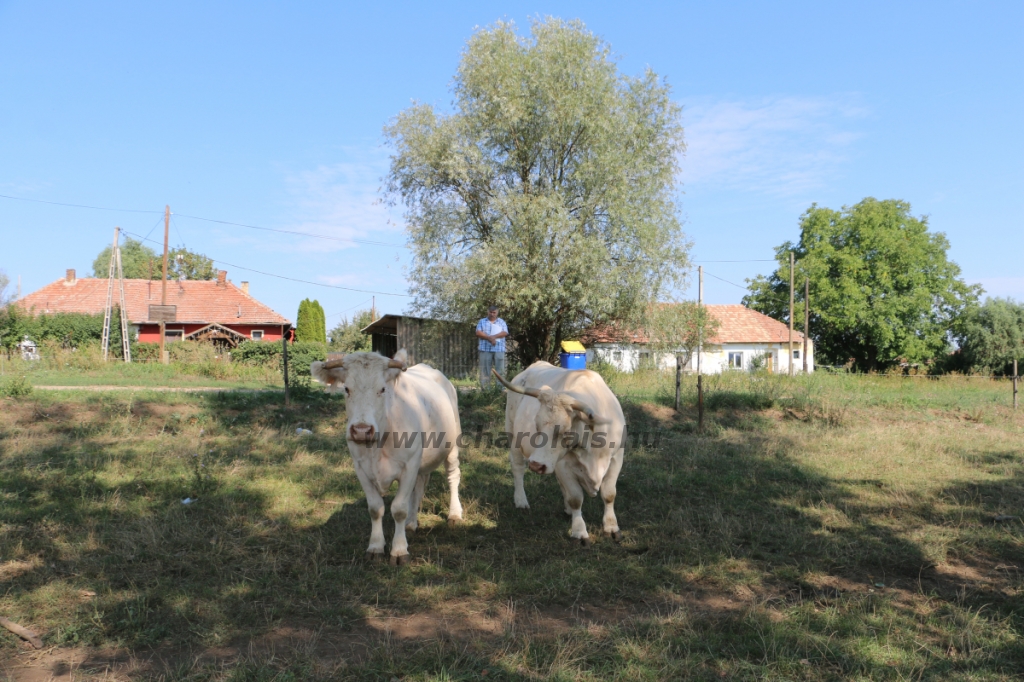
[(411, 529), (454, 521), (400, 560), (617, 536), (584, 542), (375, 556)]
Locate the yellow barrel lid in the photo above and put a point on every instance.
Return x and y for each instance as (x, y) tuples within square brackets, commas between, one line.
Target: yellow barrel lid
[(573, 347)]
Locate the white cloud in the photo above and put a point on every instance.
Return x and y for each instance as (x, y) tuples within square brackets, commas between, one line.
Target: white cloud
[(343, 200), (781, 146)]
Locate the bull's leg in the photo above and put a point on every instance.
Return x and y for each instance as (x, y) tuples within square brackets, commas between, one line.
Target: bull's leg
[(610, 523), (400, 509), (413, 522), (573, 494), (518, 462), (376, 505), (451, 465)]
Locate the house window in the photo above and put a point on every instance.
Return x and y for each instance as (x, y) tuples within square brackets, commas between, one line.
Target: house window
[(616, 356), (796, 355), (736, 360), (257, 334), (172, 335)]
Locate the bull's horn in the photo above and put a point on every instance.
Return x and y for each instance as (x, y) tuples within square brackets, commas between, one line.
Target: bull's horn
[(584, 408), (532, 392), (395, 364), (334, 364)]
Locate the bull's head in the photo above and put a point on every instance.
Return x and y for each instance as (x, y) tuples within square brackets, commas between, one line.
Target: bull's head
[(367, 380), (561, 419)]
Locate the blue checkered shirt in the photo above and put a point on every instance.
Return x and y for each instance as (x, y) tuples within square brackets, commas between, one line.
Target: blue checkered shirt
[(492, 328)]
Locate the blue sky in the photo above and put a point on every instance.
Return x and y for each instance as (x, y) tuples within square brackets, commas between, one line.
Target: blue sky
[(270, 114)]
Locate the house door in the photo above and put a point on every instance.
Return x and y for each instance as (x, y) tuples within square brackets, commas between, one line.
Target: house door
[(769, 362)]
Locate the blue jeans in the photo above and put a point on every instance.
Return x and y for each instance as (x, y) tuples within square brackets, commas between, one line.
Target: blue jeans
[(489, 359)]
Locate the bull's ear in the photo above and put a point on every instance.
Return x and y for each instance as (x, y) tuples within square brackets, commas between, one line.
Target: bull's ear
[(330, 377), (397, 365)]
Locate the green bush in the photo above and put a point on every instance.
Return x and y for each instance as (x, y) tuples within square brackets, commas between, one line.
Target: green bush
[(69, 329), (302, 355), (145, 352), (15, 387), (257, 353)]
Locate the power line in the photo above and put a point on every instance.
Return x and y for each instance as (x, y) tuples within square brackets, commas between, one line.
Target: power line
[(302, 234), (211, 220), (725, 280), (290, 279), (95, 208), (352, 308), (752, 260)]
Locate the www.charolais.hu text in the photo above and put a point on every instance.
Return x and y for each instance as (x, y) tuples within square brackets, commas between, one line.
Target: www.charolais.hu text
[(504, 439)]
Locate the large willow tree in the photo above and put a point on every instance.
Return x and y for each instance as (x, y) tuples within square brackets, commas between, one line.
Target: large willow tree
[(548, 190)]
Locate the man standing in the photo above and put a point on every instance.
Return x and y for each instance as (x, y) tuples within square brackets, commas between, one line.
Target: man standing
[(491, 331)]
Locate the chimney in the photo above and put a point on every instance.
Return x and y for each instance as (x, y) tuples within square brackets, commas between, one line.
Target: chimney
[(69, 277), (245, 288), (222, 277)]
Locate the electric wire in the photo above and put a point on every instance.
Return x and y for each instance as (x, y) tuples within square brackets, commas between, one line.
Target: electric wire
[(725, 280), (95, 208), (295, 232), (290, 279), (352, 308)]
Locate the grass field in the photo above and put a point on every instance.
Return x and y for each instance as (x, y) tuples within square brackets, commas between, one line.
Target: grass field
[(827, 527)]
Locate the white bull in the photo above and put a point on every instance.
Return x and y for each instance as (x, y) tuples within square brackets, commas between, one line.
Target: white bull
[(569, 423), (402, 424)]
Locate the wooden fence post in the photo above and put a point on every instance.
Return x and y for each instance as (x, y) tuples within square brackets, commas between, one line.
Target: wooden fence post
[(700, 404), (284, 360), (679, 374), (1015, 380)]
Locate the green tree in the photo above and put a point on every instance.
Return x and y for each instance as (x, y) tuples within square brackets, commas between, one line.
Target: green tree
[(679, 328), (346, 336), (191, 265), (549, 191), (992, 336), (310, 322), (138, 261), (882, 287)]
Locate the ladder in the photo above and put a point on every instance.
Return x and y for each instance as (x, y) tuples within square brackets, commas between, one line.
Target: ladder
[(115, 267)]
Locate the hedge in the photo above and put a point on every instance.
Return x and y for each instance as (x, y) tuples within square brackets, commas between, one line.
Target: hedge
[(300, 355)]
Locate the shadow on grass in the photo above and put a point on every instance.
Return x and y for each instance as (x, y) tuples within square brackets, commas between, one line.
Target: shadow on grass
[(722, 532)]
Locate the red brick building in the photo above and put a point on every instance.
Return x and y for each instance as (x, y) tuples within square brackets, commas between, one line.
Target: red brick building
[(205, 310)]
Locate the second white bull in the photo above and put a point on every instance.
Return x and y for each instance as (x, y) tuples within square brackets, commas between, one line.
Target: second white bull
[(570, 424)]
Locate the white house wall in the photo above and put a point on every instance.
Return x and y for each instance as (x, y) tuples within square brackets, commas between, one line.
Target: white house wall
[(627, 357)]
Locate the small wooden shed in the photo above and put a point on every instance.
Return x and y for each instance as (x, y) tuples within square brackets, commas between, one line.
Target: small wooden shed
[(451, 347)]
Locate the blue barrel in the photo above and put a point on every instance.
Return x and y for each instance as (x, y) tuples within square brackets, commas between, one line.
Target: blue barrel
[(573, 360)]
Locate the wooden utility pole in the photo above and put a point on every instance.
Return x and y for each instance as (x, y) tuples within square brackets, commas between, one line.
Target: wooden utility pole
[(807, 317), (790, 313), (700, 344), (373, 309), (1015, 380), (163, 286)]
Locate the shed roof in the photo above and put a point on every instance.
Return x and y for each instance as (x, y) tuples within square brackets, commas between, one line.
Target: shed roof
[(197, 301)]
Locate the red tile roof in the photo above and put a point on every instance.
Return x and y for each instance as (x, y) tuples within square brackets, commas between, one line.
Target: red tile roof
[(737, 324), (198, 301)]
